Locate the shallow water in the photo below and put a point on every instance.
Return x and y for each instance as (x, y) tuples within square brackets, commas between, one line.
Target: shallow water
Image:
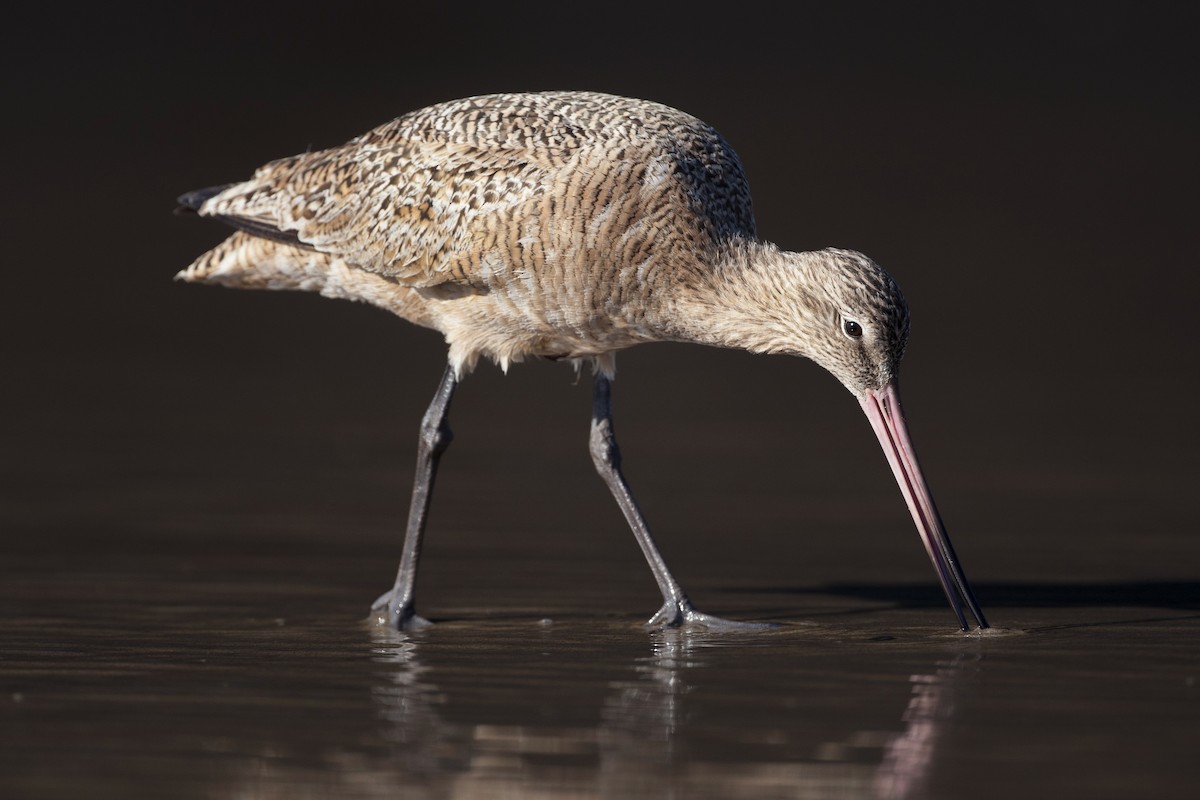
[(191, 675)]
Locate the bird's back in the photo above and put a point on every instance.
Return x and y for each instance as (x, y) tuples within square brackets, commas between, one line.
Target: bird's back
[(549, 217)]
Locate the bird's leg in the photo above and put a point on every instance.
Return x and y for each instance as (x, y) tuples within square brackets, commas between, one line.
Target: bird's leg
[(396, 607), (677, 609)]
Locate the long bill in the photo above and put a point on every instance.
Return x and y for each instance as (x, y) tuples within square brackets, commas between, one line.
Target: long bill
[(882, 408)]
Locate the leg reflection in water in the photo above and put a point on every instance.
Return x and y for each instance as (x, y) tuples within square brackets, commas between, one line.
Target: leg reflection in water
[(424, 750), (641, 717), (598, 713)]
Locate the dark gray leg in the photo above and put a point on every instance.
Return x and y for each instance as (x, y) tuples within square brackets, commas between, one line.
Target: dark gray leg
[(677, 609), (396, 607)]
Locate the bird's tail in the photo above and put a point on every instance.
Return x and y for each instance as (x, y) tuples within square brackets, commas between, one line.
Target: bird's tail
[(245, 261)]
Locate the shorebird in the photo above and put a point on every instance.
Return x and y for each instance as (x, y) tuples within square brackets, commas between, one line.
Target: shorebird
[(567, 225)]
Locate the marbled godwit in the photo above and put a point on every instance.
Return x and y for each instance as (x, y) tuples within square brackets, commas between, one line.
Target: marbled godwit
[(567, 225)]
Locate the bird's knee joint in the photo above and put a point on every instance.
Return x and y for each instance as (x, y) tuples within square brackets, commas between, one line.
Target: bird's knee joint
[(603, 447), (435, 436)]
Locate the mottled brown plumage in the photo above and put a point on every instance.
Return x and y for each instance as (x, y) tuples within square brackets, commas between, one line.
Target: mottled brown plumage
[(560, 225), (564, 225)]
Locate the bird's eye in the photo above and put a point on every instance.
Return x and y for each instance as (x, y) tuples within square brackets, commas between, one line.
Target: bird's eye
[(852, 329)]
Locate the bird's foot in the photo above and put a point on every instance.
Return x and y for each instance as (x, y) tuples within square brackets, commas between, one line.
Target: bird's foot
[(681, 614), (399, 615)]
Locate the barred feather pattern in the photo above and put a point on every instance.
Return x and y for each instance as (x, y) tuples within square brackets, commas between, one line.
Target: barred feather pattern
[(556, 224)]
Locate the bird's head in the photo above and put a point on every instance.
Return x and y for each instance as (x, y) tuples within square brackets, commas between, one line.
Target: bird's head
[(854, 320)]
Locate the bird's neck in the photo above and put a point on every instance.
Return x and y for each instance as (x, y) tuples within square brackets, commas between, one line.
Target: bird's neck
[(744, 297)]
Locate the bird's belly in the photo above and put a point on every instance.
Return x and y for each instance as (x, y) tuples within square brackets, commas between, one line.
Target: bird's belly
[(503, 331)]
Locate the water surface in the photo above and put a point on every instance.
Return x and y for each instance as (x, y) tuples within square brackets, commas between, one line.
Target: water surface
[(191, 675)]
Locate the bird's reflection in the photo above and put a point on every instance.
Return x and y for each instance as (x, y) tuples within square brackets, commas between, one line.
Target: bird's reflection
[(407, 702), (649, 699), (659, 730), (908, 757), (640, 720)]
